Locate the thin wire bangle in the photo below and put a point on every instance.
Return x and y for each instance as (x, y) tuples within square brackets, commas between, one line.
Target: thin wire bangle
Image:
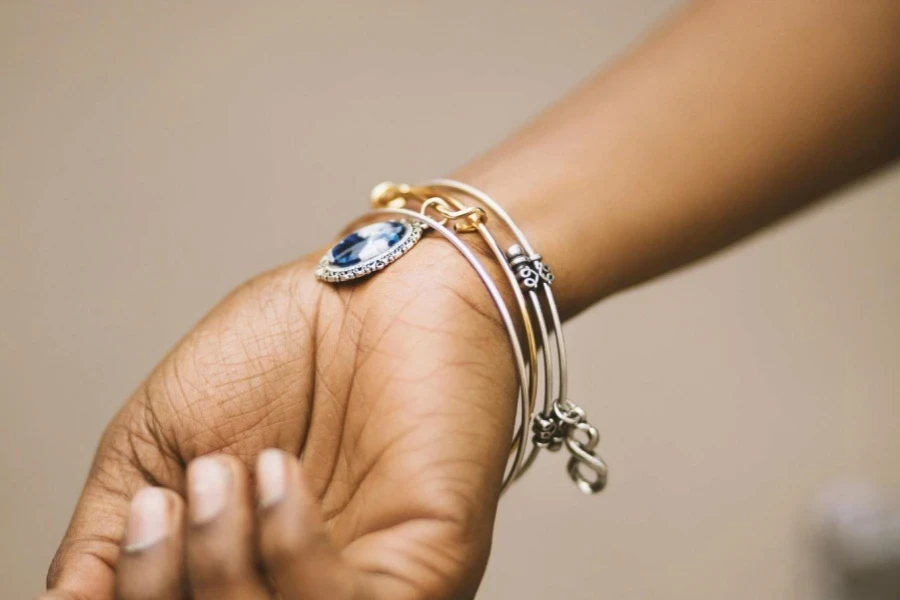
[(560, 423), (505, 316), (560, 414)]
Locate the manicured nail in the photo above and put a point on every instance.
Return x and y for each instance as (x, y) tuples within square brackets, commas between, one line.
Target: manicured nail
[(270, 477), (148, 519), (208, 483)]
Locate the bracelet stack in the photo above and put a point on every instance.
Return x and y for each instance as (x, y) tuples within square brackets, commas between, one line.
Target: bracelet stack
[(546, 419)]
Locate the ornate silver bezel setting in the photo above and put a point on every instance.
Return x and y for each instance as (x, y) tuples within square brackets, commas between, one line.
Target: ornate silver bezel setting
[(326, 271)]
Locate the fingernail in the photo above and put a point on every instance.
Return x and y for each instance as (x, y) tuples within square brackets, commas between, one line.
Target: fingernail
[(270, 477), (148, 519), (208, 483)]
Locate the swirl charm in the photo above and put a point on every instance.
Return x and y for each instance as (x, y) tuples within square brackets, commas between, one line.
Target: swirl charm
[(563, 427)]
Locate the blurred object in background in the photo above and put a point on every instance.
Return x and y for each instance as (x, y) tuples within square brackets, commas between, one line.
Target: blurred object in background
[(857, 536)]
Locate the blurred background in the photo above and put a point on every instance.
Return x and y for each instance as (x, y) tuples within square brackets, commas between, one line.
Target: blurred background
[(155, 154)]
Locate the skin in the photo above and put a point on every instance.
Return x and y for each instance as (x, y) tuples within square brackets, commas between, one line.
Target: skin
[(397, 393), (727, 118)]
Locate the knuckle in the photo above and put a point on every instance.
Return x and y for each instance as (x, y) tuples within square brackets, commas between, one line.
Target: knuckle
[(280, 549), (213, 567), (141, 590)]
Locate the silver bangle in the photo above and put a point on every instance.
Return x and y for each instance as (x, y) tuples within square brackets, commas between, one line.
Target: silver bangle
[(540, 354)]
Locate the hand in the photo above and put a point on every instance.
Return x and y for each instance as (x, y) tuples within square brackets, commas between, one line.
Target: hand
[(397, 392), (214, 554)]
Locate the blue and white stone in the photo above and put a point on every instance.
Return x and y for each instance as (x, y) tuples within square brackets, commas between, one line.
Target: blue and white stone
[(369, 249)]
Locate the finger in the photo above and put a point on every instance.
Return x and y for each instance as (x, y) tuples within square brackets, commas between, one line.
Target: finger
[(151, 561), (220, 538), (293, 542)]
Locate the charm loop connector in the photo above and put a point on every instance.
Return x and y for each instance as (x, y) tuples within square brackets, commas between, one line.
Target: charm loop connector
[(465, 218)]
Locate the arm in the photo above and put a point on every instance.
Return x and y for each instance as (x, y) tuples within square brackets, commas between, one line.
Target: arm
[(730, 117)]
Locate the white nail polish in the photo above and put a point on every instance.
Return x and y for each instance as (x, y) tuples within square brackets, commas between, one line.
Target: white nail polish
[(209, 481), (148, 519), (270, 477)]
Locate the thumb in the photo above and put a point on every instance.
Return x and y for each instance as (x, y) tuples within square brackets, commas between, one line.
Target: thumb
[(84, 567)]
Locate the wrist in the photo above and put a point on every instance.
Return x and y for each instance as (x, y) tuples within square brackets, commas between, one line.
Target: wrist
[(555, 232)]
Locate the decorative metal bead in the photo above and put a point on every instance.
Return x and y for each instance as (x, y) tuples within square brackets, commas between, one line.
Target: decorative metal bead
[(529, 270), (545, 272), (549, 432)]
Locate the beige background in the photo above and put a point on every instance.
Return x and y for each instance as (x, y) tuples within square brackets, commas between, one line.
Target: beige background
[(154, 154)]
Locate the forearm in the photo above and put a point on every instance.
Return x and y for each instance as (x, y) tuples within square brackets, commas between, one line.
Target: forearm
[(732, 115)]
